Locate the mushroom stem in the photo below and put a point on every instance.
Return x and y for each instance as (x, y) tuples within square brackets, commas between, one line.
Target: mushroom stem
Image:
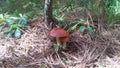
[(58, 41), (64, 45)]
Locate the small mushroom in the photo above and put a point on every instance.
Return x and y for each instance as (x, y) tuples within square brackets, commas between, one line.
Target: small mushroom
[(58, 33)]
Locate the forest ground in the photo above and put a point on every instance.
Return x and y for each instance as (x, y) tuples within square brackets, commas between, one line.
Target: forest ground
[(35, 50)]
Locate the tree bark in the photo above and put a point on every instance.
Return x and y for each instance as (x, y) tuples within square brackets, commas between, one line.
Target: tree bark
[(48, 11)]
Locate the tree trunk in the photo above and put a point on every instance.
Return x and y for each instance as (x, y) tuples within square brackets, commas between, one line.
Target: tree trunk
[(48, 11)]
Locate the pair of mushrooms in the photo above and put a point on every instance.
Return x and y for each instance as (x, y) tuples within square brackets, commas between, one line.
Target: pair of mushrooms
[(61, 35)]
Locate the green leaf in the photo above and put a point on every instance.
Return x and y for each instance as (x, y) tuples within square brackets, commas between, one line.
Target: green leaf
[(1, 20), (1, 16), (90, 31), (22, 22), (9, 23), (17, 33), (1, 27), (9, 33), (43, 66), (16, 12), (73, 26), (82, 29), (62, 24), (56, 47), (23, 19), (14, 26), (8, 1)]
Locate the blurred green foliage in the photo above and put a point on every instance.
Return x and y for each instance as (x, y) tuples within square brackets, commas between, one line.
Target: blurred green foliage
[(83, 26), (12, 25), (21, 6), (31, 7), (113, 11), (64, 9)]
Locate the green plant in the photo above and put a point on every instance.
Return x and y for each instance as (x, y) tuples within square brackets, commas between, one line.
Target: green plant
[(43, 66), (60, 18), (22, 6), (83, 26), (69, 5), (56, 47), (113, 11), (13, 24)]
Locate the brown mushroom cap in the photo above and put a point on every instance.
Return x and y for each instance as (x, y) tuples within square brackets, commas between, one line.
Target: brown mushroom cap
[(58, 32), (64, 39)]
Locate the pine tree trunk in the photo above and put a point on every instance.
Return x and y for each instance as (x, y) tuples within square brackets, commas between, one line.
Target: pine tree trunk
[(48, 11)]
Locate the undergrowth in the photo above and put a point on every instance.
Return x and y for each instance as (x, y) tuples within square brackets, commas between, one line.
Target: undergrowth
[(14, 24), (89, 9)]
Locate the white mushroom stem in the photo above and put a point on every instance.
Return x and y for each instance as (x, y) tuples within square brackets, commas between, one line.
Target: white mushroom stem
[(58, 41), (64, 45)]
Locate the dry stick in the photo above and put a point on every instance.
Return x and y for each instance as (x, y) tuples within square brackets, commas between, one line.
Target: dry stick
[(48, 62), (90, 17), (84, 58), (74, 62), (90, 54), (51, 60), (66, 54), (21, 30), (60, 59), (104, 51)]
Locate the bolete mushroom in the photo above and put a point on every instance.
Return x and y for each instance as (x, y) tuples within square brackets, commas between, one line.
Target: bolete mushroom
[(58, 33)]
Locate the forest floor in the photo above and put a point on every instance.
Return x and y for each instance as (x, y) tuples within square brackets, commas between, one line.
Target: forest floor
[(35, 49)]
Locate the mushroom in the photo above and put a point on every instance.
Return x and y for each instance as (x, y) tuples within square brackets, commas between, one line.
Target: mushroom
[(64, 40), (59, 33)]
